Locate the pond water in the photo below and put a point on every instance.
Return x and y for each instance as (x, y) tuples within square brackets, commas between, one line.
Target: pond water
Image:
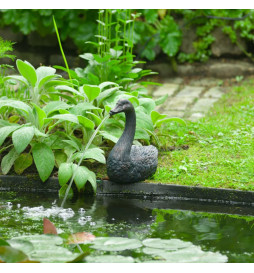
[(216, 232)]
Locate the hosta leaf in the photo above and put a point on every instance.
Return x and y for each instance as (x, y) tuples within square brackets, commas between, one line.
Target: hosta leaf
[(27, 71), (6, 131), (91, 91), (22, 137), (64, 173), (155, 116), (87, 123), (161, 100), (169, 120), (24, 161), (44, 160), (60, 157), (8, 160), (148, 104), (16, 104), (81, 175), (55, 106)]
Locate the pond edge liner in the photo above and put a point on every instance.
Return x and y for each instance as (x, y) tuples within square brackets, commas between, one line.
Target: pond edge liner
[(32, 183)]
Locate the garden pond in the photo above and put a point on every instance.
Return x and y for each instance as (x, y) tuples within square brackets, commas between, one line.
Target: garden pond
[(127, 229)]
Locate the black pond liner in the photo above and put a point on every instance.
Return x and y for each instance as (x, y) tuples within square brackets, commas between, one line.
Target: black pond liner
[(160, 191)]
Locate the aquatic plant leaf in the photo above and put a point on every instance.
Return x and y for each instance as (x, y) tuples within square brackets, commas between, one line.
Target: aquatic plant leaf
[(6, 131), (47, 248), (24, 161), (64, 173), (44, 160), (80, 238), (91, 91), (22, 137), (9, 254), (115, 243), (48, 227), (109, 259), (4, 243), (23, 245), (8, 160), (27, 71), (171, 244)]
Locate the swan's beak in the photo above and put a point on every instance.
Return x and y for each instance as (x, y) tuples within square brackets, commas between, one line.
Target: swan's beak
[(115, 111)]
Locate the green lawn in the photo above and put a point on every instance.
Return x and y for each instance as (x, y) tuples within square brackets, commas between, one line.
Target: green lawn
[(221, 148)]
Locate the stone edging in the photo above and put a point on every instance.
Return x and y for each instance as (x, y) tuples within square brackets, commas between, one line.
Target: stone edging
[(144, 189)]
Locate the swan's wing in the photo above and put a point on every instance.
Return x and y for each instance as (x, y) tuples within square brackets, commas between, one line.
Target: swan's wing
[(143, 152)]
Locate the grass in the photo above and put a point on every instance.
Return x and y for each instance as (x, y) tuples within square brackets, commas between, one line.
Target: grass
[(221, 148)]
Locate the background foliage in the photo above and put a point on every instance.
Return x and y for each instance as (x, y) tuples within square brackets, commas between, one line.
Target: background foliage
[(156, 30)]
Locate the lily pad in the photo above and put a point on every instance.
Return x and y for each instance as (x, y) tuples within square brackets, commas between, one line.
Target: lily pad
[(115, 243), (171, 244), (109, 259)]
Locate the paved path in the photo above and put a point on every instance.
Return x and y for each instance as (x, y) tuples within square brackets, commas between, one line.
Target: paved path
[(190, 101)]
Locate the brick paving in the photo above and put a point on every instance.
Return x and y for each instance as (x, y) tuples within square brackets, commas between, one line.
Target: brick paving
[(190, 101)]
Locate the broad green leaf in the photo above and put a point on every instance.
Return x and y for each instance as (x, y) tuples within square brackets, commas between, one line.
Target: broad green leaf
[(72, 143), (92, 153), (91, 91), (141, 134), (109, 259), (148, 104), (9, 254), (115, 243), (92, 179), (109, 136), (94, 118), (8, 160), (169, 120), (43, 71), (6, 131), (24, 161), (22, 137), (64, 173), (17, 78), (80, 108), (81, 175), (60, 157), (44, 160), (69, 89), (14, 119), (169, 244), (55, 106), (64, 117), (27, 71), (143, 120), (4, 243), (46, 80), (63, 190), (16, 104), (161, 100), (87, 123), (65, 96), (105, 84), (155, 116), (40, 115), (105, 94)]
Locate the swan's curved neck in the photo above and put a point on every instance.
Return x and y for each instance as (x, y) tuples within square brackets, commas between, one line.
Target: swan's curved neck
[(123, 146)]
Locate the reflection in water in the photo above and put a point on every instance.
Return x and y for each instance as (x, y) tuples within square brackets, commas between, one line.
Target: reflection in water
[(231, 235)]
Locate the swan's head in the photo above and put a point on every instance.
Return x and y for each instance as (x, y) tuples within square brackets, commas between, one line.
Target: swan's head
[(122, 105)]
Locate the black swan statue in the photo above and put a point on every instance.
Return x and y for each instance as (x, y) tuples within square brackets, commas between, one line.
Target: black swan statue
[(129, 163)]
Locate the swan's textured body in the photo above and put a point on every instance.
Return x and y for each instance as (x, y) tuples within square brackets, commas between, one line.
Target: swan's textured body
[(129, 163)]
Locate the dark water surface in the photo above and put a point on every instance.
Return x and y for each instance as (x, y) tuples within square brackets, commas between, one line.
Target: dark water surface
[(216, 227)]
